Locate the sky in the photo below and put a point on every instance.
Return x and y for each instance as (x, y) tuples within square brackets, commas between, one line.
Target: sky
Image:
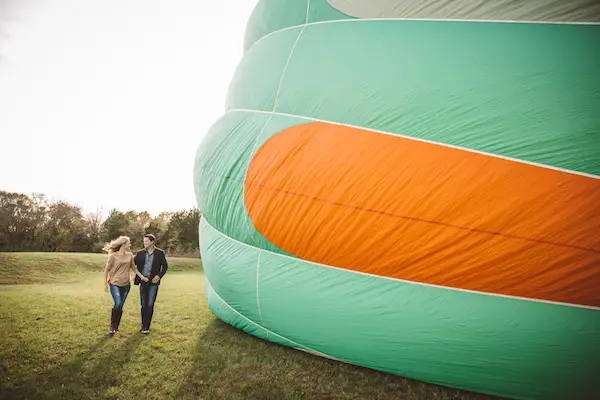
[(103, 103)]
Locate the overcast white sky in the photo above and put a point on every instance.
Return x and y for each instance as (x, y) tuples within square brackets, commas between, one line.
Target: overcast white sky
[(104, 102)]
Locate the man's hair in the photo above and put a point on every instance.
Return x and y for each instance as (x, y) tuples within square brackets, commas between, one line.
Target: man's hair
[(150, 236)]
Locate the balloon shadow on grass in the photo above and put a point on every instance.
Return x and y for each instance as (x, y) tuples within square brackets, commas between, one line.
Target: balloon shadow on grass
[(228, 363)]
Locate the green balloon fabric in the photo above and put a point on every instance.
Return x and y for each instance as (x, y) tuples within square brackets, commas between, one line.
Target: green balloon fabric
[(414, 188)]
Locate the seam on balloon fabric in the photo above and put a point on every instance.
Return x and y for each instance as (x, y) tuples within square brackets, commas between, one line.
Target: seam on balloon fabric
[(257, 279), (300, 346), (557, 303), (275, 102), (569, 171), (353, 19)]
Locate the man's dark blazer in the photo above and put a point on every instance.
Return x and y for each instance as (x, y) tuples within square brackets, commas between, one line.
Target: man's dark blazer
[(159, 264)]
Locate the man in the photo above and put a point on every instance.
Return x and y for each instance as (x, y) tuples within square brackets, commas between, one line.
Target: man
[(152, 263)]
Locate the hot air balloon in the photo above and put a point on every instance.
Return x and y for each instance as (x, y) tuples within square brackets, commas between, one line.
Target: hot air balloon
[(414, 187)]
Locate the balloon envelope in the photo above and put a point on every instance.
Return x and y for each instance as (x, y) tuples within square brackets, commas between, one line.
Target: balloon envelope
[(414, 189)]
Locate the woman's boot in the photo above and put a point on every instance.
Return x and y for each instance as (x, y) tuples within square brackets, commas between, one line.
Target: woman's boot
[(113, 322), (118, 315)]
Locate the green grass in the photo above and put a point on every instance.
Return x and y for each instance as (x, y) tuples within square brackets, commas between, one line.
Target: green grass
[(54, 344), (28, 268)]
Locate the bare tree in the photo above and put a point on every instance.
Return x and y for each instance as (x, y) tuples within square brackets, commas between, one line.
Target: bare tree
[(94, 224)]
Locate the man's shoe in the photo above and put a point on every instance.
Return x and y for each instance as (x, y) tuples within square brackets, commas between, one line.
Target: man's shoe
[(144, 313), (149, 314)]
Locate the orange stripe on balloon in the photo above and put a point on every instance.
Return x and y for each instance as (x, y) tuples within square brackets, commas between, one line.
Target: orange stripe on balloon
[(406, 209)]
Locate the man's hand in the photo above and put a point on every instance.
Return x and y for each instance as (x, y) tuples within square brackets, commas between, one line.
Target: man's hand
[(156, 279)]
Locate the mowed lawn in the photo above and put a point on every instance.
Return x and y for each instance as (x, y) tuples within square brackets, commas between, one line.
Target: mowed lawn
[(54, 319)]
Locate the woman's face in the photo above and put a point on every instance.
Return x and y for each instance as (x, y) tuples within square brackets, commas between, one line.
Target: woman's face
[(127, 245)]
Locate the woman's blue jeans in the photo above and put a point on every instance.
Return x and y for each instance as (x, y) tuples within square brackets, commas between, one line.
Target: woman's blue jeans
[(119, 295)]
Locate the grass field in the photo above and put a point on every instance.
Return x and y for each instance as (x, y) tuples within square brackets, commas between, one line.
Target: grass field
[(54, 319)]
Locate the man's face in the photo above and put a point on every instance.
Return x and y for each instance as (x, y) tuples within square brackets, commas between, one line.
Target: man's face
[(147, 243)]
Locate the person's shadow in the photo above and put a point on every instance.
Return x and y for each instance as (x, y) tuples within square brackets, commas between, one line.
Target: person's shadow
[(101, 369)]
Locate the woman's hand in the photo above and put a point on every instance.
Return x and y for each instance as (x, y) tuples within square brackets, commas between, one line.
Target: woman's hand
[(145, 279), (106, 286)]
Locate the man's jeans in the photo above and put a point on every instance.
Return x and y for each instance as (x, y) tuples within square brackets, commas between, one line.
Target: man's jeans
[(119, 295), (148, 293)]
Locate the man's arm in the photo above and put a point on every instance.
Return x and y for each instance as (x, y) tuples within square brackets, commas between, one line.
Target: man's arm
[(136, 260), (165, 266)]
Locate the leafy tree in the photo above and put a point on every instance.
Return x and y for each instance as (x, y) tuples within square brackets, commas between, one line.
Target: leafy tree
[(115, 225), (32, 223), (183, 231), (159, 227), (16, 223), (63, 229)]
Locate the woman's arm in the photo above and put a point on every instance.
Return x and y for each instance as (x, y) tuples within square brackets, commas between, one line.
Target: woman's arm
[(109, 265), (137, 272)]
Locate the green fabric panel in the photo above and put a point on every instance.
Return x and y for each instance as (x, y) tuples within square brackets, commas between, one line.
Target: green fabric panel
[(232, 268), (218, 307), (272, 15), (224, 312), (321, 10), (231, 272), (256, 79), (503, 346), (526, 91), (220, 169)]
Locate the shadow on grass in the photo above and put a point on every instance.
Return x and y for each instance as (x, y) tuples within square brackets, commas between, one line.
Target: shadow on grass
[(85, 375), (228, 363)]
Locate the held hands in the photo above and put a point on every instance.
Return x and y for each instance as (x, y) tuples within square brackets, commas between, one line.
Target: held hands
[(154, 280)]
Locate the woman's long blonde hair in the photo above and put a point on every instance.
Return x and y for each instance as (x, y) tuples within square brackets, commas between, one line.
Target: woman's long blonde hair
[(116, 244)]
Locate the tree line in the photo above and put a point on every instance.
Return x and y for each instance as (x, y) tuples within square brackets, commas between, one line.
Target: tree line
[(34, 223)]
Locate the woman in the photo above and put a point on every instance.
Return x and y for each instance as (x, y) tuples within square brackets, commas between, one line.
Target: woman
[(117, 277)]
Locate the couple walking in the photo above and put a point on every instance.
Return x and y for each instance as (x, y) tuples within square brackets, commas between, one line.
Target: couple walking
[(149, 266)]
